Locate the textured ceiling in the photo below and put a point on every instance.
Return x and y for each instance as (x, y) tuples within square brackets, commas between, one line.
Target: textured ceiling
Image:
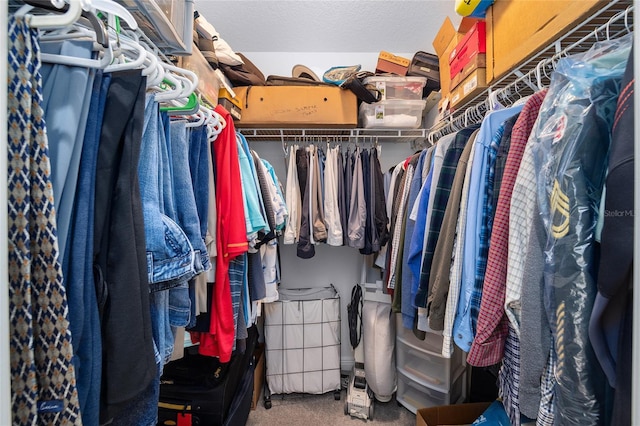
[(327, 26)]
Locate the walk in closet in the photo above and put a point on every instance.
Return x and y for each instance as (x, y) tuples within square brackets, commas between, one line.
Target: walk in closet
[(469, 245)]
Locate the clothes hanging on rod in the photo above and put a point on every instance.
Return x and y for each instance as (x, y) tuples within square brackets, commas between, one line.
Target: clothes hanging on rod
[(137, 184), (528, 180), (335, 199)]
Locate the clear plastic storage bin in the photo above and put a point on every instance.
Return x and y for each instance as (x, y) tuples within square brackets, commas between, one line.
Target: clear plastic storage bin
[(404, 88), (428, 368), (395, 114), (415, 396), (432, 341)]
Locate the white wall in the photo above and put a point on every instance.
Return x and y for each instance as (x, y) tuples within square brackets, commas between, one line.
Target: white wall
[(340, 266), (281, 63)]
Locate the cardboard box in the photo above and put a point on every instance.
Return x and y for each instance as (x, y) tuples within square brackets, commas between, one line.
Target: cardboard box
[(388, 62), (517, 29), (446, 40), (297, 106), (471, 86), (478, 61), (258, 375), (472, 44), (459, 414), (231, 104)]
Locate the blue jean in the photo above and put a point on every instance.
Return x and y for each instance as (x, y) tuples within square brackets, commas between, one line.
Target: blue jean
[(169, 309), (199, 168), (170, 256), (184, 197), (67, 96), (143, 410), (77, 267)]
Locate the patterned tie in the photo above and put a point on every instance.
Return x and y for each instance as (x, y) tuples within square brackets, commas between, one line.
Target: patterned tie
[(43, 385)]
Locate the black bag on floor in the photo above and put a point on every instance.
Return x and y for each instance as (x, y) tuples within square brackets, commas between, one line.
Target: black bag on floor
[(241, 404), (199, 390)]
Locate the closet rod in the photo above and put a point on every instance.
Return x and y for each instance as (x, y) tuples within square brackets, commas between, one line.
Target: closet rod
[(332, 135), (538, 73), (5, 374)]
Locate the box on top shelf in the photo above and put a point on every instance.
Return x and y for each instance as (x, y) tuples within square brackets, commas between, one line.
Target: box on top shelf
[(511, 38), (425, 64), (388, 62), (230, 103), (471, 86), (472, 44), (393, 87), (479, 61), (446, 40), (395, 114), (297, 106)]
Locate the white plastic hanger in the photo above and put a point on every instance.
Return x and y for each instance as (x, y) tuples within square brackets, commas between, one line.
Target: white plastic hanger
[(134, 58), (50, 21), (154, 71), (168, 89), (105, 58), (112, 9), (66, 21), (187, 76)]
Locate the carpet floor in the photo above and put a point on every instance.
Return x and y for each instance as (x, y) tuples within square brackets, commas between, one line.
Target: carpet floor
[(321, 410)]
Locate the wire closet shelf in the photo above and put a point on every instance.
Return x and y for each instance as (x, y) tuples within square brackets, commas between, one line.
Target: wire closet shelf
[(613, 20)]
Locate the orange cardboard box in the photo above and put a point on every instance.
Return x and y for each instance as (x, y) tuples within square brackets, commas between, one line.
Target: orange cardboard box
[(518, 29), (388, 62), (297, 106), (446, 40), (458, 414)]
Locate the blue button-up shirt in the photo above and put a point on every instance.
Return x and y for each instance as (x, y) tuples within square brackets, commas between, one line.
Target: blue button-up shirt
[(472, 269)]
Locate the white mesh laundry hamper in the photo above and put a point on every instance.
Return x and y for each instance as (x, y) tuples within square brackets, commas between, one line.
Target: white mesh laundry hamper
[(302, 342)]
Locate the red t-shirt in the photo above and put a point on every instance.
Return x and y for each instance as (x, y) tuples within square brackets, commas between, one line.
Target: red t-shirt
[(231, 241)]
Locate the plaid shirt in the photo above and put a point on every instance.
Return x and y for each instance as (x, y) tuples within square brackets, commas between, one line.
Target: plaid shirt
[(491, 331), (523, 201), (509, 377), (455, 277), (547, 384), (440, 199), (486, 225), (397, 232), (479, 216), (501, 159)]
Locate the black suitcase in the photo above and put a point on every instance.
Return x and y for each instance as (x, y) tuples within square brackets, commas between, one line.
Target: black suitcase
[(199, 390), (241, 405), (425, 64)]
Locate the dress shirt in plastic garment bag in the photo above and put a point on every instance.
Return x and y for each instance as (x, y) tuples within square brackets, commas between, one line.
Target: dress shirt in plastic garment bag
[(573, 130)]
